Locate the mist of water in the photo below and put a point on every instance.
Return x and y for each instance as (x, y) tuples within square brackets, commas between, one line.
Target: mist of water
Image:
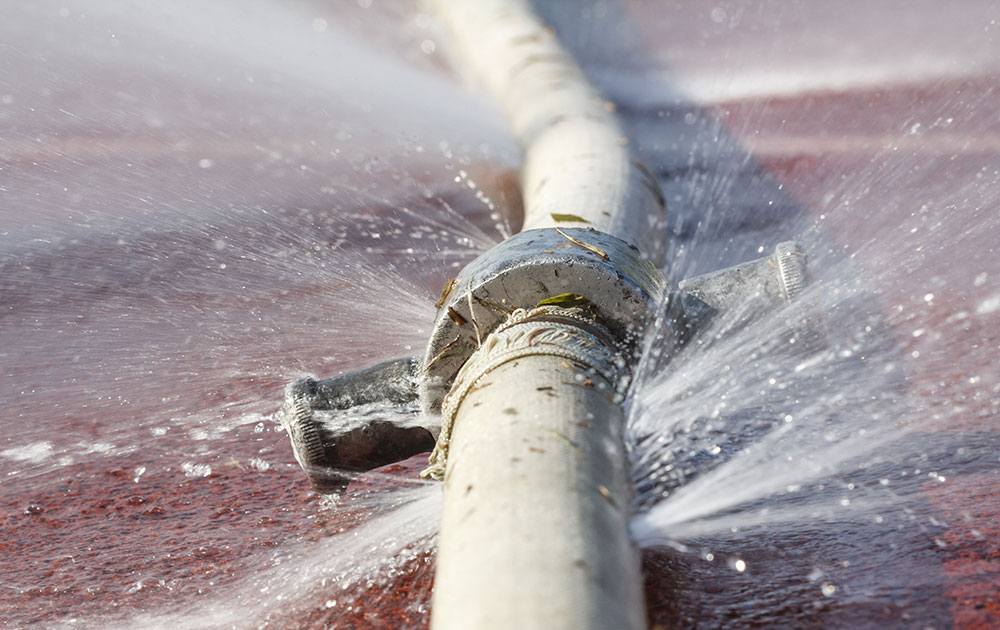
[(341, 574), (201, 204)]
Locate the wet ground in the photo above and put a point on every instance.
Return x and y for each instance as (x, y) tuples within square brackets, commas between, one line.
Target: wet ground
[(186, 225)]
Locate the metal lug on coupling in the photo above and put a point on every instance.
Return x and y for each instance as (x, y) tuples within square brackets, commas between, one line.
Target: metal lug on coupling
[(355, 422), (732, 298), (617, 281), (370, 418), (389, 412)]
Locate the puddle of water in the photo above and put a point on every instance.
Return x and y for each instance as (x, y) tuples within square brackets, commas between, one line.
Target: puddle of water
[(200, 205)]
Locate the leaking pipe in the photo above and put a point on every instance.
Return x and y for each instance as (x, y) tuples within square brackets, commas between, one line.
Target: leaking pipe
[(578, 161), (536, 494), (521, 382)]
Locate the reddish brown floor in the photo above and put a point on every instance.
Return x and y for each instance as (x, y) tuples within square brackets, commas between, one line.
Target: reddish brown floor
[(106, 342)]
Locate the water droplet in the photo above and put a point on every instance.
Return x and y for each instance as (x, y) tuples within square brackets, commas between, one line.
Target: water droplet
[(196, 470), (258, 464)]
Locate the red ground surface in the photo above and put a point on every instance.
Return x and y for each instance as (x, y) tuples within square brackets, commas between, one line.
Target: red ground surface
[(130, 353)]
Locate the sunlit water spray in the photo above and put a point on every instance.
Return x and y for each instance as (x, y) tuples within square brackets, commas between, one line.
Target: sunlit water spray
[(741, 432), (744, 415), (324, 579), (200, 207), (242, 211)]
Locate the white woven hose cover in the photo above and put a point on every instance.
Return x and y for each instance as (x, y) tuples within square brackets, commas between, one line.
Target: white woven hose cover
[(570, 333)]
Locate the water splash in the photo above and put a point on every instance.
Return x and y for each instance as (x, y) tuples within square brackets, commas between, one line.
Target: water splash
[(321, 581), (200, 206)]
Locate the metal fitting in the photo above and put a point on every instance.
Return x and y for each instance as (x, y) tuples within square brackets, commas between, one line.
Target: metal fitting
[(354, 422), (394, 410), (617, 281), (731, 298), (575, 334)]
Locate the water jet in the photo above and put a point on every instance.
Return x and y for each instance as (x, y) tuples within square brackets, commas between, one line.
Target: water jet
[(526, 370), (201, 204)]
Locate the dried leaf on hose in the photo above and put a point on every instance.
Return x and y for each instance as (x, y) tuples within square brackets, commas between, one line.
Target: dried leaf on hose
[(496, 306), (565, 300), (594, 248), (564, 217), (450, 350), (456, 317), (445, 292)]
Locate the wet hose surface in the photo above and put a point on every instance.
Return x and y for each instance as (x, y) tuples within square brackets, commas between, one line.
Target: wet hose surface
[(132, 361)]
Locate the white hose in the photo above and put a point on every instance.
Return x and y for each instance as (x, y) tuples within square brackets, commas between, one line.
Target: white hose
[(578, 161), (536, 491)]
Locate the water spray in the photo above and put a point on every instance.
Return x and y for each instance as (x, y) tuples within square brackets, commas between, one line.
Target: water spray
[(521, 386)]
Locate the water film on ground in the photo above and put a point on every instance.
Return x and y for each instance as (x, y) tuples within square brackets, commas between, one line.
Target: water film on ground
[(203, 201)]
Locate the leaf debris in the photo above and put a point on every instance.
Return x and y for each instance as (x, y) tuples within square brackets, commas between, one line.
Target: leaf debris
[(448, 351), (565, 300), (472, 316), (445, 292), (565, 217), (593, 248), (456, 317)]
